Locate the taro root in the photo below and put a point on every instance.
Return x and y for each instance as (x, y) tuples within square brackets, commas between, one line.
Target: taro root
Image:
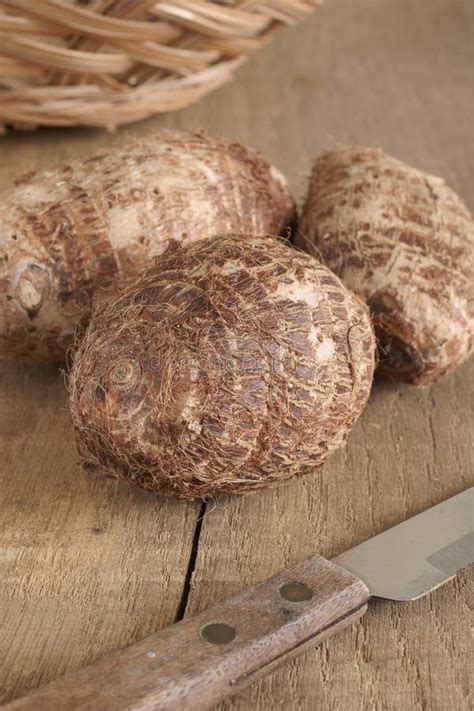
[(404, 242), (71, 237), (229, 366)]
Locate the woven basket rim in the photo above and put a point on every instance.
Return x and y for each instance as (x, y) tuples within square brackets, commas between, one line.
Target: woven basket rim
[(112, 62)]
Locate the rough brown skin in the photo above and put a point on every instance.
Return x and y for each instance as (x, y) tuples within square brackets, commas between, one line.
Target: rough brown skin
[(72, 236), (230, 366), (404, 241)]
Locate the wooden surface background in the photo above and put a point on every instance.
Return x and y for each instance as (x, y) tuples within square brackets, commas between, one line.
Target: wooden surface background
[(88, 565)]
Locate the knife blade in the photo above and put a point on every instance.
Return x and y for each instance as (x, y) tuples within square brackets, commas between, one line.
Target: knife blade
[(417, 556), (203, 659)]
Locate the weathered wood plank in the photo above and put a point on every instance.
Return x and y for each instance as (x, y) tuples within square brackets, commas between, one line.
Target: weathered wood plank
[(86, 565)]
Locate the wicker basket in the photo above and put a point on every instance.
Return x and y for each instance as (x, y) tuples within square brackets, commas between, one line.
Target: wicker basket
[(110, 62)]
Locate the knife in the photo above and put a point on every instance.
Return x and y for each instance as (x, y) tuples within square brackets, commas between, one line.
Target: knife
[(203, 659)]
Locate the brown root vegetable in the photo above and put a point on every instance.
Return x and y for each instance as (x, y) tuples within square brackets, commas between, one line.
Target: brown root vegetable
[(230, 366), (72, 236), (404, 241)]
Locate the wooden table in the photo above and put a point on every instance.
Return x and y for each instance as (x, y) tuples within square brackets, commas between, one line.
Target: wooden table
[(89, 565)]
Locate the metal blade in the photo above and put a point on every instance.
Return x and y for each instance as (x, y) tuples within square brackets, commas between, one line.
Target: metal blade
[(418, 555)]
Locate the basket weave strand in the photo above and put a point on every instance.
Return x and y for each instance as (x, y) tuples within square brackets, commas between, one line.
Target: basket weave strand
[(111, 62)]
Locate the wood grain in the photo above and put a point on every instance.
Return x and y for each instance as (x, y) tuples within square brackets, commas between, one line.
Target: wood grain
[(86, 565), (181, 668), (396, 74)]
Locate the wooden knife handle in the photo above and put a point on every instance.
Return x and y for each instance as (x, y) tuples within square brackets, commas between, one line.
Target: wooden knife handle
[(205, 658)]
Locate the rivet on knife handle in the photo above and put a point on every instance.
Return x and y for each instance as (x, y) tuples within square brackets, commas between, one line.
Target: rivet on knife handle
[(205, 658)]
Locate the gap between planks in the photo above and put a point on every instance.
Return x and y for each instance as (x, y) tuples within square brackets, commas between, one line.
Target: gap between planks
[(183, 602)]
